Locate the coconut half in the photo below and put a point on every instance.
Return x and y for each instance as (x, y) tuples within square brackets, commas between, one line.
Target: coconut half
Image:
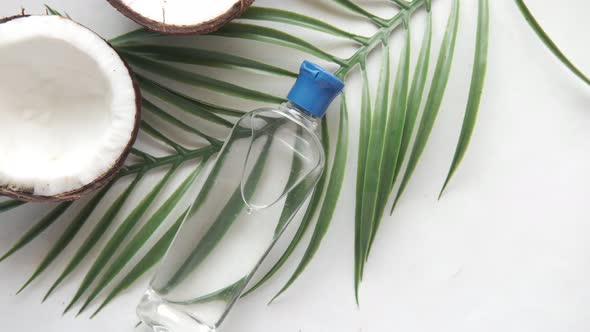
[(182, 16), (69, 109)]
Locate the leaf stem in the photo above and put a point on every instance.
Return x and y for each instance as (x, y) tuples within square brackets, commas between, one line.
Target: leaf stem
[(383, 34), (173, 159)]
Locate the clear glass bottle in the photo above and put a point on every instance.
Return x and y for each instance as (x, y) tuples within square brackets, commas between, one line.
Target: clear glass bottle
[(267, 168)]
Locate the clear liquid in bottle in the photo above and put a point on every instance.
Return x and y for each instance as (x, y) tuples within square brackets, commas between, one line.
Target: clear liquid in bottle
[(267, 168)]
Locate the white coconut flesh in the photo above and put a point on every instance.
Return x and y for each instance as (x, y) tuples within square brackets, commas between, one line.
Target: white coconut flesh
[(67, 106), (180, 12)]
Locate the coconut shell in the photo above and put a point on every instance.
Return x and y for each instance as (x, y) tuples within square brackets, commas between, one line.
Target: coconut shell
[(102, 180), (202, 28)]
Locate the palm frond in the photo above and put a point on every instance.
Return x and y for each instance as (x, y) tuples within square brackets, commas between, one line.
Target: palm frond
[(96, 234), (222, 222), (269, 35), (117, 239), (143, 235), (199, 80), (68, 235), (364, 133), (163, 70), (310, 213), (330, 200), (283, 16), (475, 91), (434, 99), (415, 95), (51, 11), (392, 138), (186, 103), (372, 175), (203, 57), (152, 108), (37, 229), (528, 16), (354, 7), (153, 256), (9, 205)]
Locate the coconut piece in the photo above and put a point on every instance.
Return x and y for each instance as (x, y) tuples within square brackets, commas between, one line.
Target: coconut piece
[(182, 16), (69, 109)]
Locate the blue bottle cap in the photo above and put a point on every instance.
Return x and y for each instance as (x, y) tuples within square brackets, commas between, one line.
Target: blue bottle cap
[(315, 89)]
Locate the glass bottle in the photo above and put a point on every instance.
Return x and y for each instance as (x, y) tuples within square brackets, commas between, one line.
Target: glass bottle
[(267, 168)]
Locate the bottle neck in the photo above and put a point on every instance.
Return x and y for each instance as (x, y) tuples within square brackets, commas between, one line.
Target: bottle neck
[(301, 115)]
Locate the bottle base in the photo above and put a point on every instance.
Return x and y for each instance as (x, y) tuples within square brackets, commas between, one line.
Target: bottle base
[(162, 316)]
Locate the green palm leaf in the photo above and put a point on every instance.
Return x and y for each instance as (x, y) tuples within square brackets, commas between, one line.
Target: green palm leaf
[(223, 222), (52, 11), (95, 235), (352, 6), (434, 100), (9, 205), (269, 35), (365, 127), (68, 235), (199, 80), (152, 108), (186, 103), (548, 42), (115, 242), (203, 57), (39, 228), (153, 256), (314, 204), (372, 176), (143, 235), (283, 16), (155, 133), (331, 198), (134, 36), (392, 138), (386, 131), (475, 91), (415, 95)]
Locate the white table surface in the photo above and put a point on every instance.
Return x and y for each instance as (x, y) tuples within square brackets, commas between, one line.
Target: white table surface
[(506, 249)]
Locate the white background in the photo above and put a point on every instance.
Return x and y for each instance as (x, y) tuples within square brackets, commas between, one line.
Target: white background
[(506, 249)]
